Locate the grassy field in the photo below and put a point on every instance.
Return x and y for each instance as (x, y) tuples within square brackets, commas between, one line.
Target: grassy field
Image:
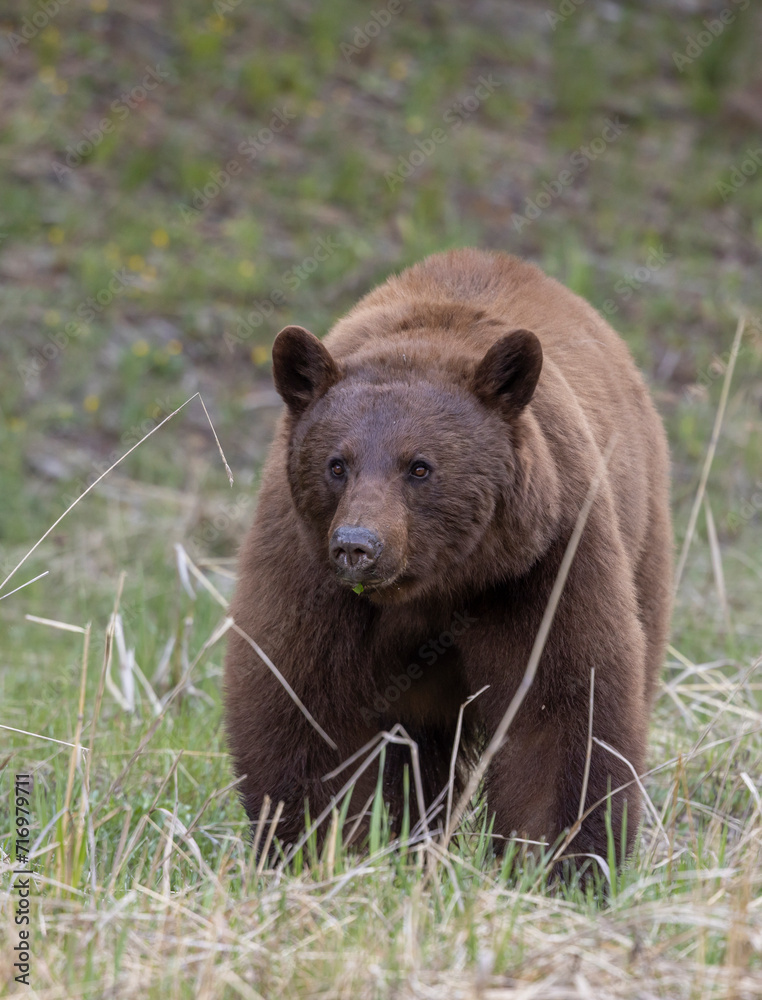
[(179, 181)]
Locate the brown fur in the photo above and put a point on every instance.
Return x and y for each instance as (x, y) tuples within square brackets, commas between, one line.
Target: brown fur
[(437, 365)]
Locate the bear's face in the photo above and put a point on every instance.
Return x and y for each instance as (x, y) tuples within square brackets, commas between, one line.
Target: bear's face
[(398, 474), (392, 482)]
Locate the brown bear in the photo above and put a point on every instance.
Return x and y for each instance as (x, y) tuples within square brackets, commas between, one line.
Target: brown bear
[(425, 479)]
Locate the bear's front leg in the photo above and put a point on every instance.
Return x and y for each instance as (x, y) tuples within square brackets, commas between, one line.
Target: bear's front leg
[(278, 753), (535, 781)]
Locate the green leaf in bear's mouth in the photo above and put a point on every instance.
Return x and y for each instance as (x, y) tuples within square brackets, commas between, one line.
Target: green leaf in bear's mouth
[(358, 588)]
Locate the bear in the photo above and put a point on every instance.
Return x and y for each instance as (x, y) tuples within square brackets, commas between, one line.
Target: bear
[(427, 473)]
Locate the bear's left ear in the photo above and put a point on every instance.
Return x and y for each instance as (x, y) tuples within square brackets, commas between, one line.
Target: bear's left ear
[(507, 374), (302, 368)]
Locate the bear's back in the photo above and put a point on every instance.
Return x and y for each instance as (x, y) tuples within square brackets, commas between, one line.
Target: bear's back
[(473, 297), (455, 305)]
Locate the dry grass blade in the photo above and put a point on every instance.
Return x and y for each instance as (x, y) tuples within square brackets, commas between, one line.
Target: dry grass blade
[(182, 570), (719, 576), (85, 802), (264, 812), (216, 794), (287, 687), (589, 751), (126, 658), (107, 653), (219, 446), (269, 838), (52, 623), (710, 453), (754, 792), (38, 736), (104, 474), (537, 649), (454, 757), (241, 988), (355, 828), (186, 563), (637, 779), (27, 584), (357, 755), (74, 759), (398, 735), (113, 635)]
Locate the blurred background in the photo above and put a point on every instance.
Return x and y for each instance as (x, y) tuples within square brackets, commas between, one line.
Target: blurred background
[(180, 180)]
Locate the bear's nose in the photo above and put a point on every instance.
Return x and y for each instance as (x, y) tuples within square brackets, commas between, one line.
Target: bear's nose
[(354, 551)]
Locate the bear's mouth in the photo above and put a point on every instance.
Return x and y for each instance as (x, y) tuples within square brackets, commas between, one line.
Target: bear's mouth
[(369, 583), (375, 584)]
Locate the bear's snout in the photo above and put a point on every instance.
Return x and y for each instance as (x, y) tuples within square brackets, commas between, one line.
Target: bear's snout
[(354, 552)]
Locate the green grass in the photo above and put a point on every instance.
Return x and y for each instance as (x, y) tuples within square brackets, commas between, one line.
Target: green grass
[(149, 888)]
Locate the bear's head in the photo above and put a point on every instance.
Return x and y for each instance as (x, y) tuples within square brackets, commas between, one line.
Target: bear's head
[(406, 469)]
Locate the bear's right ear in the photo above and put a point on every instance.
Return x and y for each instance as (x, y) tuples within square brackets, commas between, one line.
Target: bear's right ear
[(302, 368), (507, 374)]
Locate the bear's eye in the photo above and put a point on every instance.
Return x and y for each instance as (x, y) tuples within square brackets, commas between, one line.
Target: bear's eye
[(419, 469), (338, 468)]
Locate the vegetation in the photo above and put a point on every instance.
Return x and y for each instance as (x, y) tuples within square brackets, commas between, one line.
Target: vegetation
[(180, 181)]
